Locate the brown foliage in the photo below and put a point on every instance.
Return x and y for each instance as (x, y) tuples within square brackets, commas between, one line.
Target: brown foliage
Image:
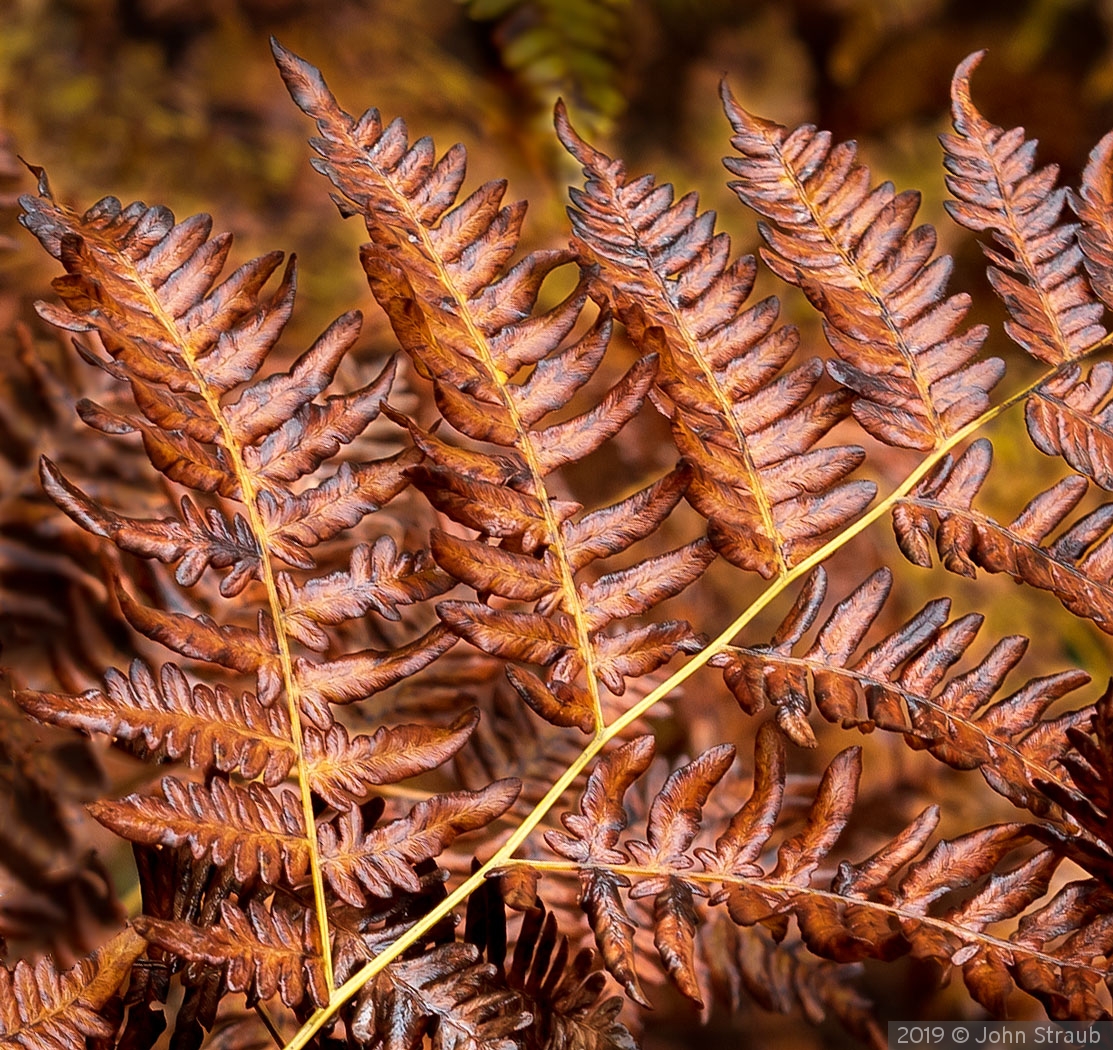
[(332, 767)]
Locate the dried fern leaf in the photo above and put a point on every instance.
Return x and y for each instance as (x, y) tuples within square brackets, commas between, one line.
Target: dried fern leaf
[(902, 683), (42, 1008), (1037, 265), (258, 834), (1075, 566), (467, 316), (165, 717), (853, 250), (564, 995), (1087, 796), (264, 951), (377, 861), (446, 995), (673, 823), (938, 906), (343, 769), (743, 964), (146, 285), (214, 729), (1070, 416), (770, 496), (1093, 205)]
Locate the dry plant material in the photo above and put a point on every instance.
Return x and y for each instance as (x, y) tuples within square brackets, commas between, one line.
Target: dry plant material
[(288, 858)]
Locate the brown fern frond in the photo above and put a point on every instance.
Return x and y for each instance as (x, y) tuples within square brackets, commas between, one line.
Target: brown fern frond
[(261, 835), (770, 496), (1071, 416), (1088, 795), (853, 251), (745, 962), (1037, 267), (357, 861), (214, 729), (344, 768), (590, 843), (467, 317), (1075, 566), (564, 995), (146, 285), (901, 684), (263, 950), (884, 907), (380, 578), (166, 717), (1093, 204), (42, 1008)]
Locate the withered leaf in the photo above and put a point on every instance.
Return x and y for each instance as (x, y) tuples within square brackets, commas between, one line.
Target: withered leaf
[(1054, 313)]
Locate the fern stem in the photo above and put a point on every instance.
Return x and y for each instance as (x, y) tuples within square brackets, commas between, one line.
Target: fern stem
[(268, 1023), (249, 495), (792, 889)]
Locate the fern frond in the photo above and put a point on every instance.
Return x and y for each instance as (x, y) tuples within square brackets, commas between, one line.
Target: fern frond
[(467, 317), (903, 680), (564, 995), (556, 47), (358, 861), (446, 994), (770, 496), (853, 251), (1039, 274), (884, 907), (42, 1008), (1075, 566), (263, 951), (1086, 793), (165, 717), (746, 963), (214, 729), (260, 835)]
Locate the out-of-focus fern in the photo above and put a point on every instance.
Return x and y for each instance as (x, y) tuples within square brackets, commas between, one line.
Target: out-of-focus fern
[(574, 49)]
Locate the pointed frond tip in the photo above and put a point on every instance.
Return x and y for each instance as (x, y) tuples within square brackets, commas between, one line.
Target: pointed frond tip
[(856, 255), (1037, 264)]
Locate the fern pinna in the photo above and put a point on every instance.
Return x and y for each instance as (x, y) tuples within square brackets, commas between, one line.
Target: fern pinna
[(292, 857)]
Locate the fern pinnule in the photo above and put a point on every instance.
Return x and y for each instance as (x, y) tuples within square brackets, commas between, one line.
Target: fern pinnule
[(745, 965), (41, 1007), (771, 498), (853, 251), (1085, 793), (448, 990), (262, 951), (1069, 415)]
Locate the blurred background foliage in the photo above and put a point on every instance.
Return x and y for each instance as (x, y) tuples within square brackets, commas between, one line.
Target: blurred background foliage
[(179, 99), (178, 102)]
